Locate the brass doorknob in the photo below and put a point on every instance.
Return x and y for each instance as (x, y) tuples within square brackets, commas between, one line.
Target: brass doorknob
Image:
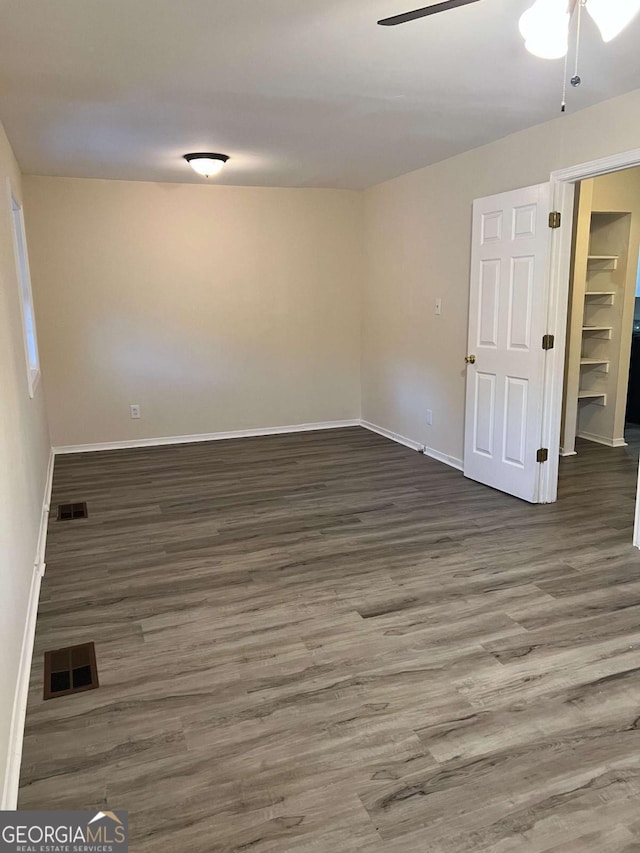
[(470, 359)]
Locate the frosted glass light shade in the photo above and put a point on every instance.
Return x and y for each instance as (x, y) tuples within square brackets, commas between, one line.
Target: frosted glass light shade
[(206, 164), (545, 29), (612, 16)]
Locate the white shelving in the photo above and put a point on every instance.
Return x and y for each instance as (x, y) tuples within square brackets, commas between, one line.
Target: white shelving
[(600, 263), (601, 297), (593, 397), (602, 363), (597, 325), (598, 331), (595, 298)]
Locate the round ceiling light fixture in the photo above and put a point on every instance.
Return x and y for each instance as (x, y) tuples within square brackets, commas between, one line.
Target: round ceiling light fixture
[(545, 29), (206, 164), (545, 25), (612, 17)]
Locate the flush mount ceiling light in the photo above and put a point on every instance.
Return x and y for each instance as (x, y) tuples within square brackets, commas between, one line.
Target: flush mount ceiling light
[(545, 26), (206, 164)]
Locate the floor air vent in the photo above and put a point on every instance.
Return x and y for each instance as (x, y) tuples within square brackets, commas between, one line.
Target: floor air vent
[(70, 670), (67, 512)]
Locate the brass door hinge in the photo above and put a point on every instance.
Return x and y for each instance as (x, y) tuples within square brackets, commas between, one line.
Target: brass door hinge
[(542, 455), (548, 341), (555, 219)]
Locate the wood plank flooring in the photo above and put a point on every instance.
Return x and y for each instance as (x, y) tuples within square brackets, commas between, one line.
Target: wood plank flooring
[(327, 643)]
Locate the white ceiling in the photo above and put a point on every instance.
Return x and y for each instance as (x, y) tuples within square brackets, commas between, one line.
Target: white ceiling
[(308, 93)]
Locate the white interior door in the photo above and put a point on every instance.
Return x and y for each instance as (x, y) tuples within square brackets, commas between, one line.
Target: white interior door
[(507, 321)]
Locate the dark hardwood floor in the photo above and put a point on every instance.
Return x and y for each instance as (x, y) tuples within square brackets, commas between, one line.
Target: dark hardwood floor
[(325, 642)]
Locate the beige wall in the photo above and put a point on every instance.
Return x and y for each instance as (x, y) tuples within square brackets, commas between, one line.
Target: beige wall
[(247, 300), (220, 308), (214, 308), (24, 454), (417, 245)]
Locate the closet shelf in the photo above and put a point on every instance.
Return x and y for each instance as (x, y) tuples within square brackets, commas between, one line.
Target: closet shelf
[(604, 297), (598, 331), (596, 362), (603, 262), (593, 396)]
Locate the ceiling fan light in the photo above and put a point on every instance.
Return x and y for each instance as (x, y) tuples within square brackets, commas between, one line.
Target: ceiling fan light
[(545, 29), (612, 16), (548, 47), (206, 164)]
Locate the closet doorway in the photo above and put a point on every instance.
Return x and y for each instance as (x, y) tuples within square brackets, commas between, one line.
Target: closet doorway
[(601, 402)]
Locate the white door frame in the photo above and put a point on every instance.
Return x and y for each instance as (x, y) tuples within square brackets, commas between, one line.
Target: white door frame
[(562, 194)]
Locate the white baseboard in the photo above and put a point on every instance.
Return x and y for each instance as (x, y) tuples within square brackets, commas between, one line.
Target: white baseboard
[(9, 799), (39, 562), (210, 436), (394, 436), (568, 452), (602, 439), (414, 445), (452, 461), (248, 433)]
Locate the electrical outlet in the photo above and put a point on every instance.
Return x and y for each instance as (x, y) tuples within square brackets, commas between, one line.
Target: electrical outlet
[(135, 410), (438, 306), (429, 417)]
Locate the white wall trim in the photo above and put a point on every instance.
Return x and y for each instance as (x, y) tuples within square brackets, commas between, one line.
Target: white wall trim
[(562, 199), (558, 301), (210, 436), (283, 430), (16, 733), (222, 436), (603, 439), (39, 563), (393, 436), (9, 799), (595, 168), (23, 279), (636, 525), (452, 461)]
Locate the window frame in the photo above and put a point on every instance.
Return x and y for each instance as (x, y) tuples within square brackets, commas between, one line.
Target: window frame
[(25, 291)]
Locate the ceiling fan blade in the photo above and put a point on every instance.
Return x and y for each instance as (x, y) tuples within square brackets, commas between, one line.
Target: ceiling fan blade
[(422, 13)]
